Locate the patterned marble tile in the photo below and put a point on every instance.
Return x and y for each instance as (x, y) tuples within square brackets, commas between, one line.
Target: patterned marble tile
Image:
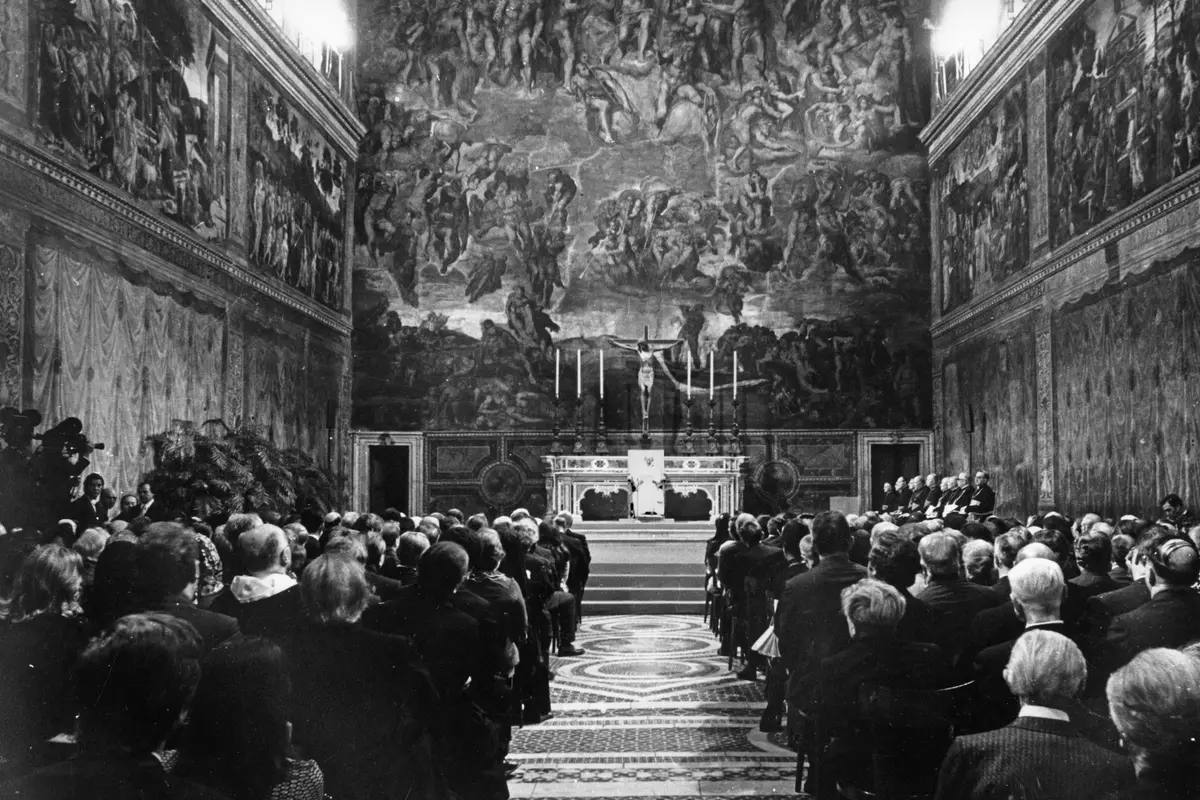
[(652, 710)]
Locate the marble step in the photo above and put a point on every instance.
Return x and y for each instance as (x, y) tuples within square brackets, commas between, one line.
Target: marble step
[(655, 607), (654, 575)]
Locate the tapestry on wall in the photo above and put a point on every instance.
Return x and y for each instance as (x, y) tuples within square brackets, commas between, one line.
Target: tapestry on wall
[(296, 183), (984, 203), (740, 177), (1124, 118), (138, 94)]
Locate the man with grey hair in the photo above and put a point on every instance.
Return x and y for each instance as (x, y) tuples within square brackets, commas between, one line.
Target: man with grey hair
[(431, 528), (875, 657), (952, 597), (1041, 754), (409, 549), (1038, 591), (266, 600), (581, 560), (501, 592)]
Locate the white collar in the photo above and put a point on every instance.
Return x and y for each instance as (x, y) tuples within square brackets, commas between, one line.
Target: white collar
[(1041, 712)]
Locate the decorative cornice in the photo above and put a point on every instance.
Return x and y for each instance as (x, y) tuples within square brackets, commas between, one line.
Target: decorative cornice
[(185, 250), (280, 59), (1024, 42), (1171, 197)]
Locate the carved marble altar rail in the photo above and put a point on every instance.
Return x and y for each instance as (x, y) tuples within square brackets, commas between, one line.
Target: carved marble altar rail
[(570, 478)]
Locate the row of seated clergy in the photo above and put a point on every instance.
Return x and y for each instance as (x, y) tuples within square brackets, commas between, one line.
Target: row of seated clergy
[(812, 627)]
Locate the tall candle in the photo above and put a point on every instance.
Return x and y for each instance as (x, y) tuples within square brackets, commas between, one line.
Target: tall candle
[(712, 373), (601, 374), (735, 374), (557, 370), (579, 373), (689, 375)]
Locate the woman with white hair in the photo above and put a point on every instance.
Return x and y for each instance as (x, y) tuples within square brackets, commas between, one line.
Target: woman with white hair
[(1154, 701), (1041, 754)]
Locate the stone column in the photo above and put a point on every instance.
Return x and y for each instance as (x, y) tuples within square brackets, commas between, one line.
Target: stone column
[(1045, 413), (13, 227)]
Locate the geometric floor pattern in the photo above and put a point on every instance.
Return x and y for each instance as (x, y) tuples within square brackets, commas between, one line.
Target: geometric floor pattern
[(651, 710)]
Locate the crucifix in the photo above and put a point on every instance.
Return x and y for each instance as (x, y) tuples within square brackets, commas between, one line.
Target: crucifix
[(646, 348)]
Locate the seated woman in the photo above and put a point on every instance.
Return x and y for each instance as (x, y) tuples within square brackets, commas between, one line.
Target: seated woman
[(876, 657), (1155, 702), (43, 635), (238, 738), (362, 704)]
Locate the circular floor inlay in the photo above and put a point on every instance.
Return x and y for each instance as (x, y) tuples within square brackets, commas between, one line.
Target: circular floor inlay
[(636, 627), (643, 645), (663, 670)]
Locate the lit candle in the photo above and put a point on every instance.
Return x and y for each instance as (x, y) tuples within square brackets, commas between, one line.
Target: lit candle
[(712, 373), (557, 370), (579, 373), (689, 374), (601, 374), (735, 374)]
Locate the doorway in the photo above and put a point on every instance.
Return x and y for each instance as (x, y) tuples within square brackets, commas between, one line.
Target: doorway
[(890, 461), (389, 478)]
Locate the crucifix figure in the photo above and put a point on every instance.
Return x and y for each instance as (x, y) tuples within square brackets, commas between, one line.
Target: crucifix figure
[(646, 348)]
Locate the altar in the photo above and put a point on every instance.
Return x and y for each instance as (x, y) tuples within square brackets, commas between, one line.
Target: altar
[(575, 483)]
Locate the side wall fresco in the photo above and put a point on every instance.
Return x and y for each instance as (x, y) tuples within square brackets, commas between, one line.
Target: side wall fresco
[(723, 177)]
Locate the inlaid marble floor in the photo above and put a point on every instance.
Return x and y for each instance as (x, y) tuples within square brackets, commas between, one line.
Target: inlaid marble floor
[(650, 711)]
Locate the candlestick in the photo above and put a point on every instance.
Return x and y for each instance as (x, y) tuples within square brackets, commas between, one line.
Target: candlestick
[(556, 444), (557, 370), (711, 372), (689, 393), (735, 374), (735, 442), (578, 373), (712, 427), (602, 435), (578, 448), (601, 374), (689, 449)]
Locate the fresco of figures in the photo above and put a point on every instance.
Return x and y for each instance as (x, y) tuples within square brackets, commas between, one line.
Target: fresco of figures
[(984, 203), (124, 89), (1123, 110), (297, 217), (541, 175)]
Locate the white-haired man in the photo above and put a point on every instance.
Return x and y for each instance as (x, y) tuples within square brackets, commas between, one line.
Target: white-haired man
[(1041, 754), (266, 600)]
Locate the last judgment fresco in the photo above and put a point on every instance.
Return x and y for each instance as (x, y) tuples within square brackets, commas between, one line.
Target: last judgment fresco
[(552, 175)]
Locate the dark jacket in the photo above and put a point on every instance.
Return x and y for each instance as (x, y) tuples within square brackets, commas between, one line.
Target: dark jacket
[(364, 707), (214, 628), (1161, 784), (903, 498), (1170, 619), (919, 623), (1103, 609), (1093, 584), (956, 601), (86, 515), (891, 501), (1032, 759), (934, 498), (1121, 575), (581, 560), (106, 777), (1003, 589), (1001, 624), (37, 657), (809, 621), (270, 616), (997, 705), (877, 660), (917, 501), (983, 501)]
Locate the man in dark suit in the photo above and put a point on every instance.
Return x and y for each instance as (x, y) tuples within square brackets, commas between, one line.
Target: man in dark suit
[(581, 561), (1122, 544), (1104, 608), (148, 506), (89, 511), (1007, 547), (168, 559), (1041, 754), (903, 495), (1038, 591), (809, 620), (983, 498), (127, 508), (953, 598), (1171, 618), (934, 498), (756, 567), (265, 601), (897, 562)]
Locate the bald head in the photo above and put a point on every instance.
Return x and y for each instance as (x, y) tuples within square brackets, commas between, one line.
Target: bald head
[(1036, 550), (264, 550)]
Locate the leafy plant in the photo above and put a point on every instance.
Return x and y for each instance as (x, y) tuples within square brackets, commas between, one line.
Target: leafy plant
[(208, 470)]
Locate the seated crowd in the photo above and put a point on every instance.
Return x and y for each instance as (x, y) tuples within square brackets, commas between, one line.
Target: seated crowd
[(958, 654), (351, 656)]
